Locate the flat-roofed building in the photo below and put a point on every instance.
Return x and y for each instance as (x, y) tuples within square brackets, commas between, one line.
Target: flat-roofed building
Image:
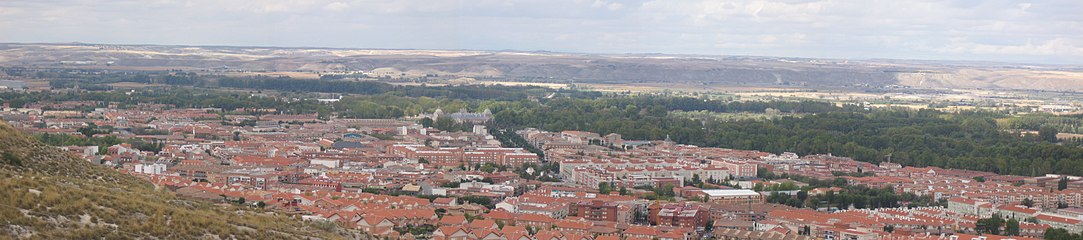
[(733, 196), (596, 210), (689, 215)]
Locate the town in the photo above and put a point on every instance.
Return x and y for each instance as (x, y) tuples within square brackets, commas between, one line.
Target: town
[(406, 179)]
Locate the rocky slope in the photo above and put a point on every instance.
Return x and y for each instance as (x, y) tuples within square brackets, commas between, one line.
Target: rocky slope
[(47, 194)]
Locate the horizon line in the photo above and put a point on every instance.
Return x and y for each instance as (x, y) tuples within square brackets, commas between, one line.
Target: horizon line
[(685, 55)]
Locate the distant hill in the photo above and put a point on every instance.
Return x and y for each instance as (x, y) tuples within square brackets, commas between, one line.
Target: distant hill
[(550, 67), (47, 194)]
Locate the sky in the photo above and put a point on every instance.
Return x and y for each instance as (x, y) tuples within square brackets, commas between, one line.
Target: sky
[(1049, 32)]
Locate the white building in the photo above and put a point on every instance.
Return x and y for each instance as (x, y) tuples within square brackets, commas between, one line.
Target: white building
[(330, 163), (150, 168), (733, 196)]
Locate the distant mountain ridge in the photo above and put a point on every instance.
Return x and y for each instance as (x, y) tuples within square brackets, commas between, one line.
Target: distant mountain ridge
[(553, 67)]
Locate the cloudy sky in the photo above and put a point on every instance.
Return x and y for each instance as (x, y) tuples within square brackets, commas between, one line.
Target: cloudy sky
[(995, 30)]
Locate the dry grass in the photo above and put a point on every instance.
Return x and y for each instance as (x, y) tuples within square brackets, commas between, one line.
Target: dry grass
[(296, 75), (984, 78), (49, 194), (134, 85)]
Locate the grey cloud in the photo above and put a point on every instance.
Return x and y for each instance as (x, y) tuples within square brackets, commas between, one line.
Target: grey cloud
[(998, 30)]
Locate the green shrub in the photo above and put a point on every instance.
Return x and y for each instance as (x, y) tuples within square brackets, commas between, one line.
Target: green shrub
[(12, 159)]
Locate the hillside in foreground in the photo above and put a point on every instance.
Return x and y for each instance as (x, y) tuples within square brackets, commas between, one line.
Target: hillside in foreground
[(47, 194)]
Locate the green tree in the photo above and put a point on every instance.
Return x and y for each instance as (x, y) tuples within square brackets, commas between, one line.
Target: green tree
[(990, 225), (426, 122), (89, 130), (1061, 234), (605, 188), (488, 167), (1012, 227), (1033, 220), (696, 180), (1048, 133), (444, 124), (762, 172), (1063, 183), (1028, 202), (665, 190), (484, 201)]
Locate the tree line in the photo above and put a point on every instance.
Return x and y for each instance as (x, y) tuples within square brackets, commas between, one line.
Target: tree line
[(968, 140)]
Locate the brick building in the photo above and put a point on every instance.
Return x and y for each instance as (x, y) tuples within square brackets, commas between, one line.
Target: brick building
[(596, 210), (688, 215)]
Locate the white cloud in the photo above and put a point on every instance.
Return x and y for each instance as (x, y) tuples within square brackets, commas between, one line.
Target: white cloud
[(336, 6), (768, 39), (1052, 47), (608, 5), (1002, 30)]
